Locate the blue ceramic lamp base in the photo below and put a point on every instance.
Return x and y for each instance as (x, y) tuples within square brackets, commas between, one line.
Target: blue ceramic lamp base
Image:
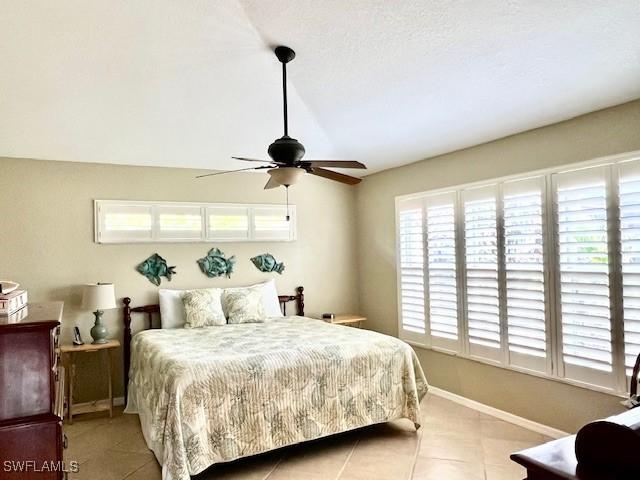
[(99, 332)]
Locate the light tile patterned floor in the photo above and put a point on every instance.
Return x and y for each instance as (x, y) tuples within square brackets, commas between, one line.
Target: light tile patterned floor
[(454, 443)]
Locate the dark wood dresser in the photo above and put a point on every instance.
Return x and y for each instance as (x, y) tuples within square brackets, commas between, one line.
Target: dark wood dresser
[(556, 460), (31, 395)]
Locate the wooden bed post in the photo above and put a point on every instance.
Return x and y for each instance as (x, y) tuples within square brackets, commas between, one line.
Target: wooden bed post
[(126, 344), (300, 301)]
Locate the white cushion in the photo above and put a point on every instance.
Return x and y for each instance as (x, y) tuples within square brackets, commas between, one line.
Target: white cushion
[(203, 308), (171, 309), (244, 305), (269, 298)]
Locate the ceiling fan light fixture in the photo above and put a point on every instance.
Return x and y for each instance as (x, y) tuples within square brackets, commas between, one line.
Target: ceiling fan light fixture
[(286, 175)]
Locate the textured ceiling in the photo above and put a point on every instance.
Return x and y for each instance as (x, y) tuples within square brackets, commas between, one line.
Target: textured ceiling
[(190, 83)]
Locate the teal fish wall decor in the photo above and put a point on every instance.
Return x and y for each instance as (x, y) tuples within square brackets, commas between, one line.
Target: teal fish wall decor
[(155, 267), (267, 263), (215, 264)]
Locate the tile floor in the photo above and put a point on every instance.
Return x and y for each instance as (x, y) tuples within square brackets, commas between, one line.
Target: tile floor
[(454, 443)]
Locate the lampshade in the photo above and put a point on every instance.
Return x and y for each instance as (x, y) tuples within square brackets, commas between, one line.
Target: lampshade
[(98, 296), (286, 175)]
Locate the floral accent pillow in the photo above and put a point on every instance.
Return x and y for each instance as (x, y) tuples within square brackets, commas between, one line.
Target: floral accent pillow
[(244, 305), (203, 308)]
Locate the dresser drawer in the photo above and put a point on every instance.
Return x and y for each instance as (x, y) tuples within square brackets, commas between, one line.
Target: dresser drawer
[(26, 377), (32, 451)]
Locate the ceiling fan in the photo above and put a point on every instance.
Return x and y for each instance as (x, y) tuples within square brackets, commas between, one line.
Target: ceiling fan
[(286, 165)]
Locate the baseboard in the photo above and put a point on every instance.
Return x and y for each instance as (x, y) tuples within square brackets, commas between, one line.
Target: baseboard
[(501, 414)]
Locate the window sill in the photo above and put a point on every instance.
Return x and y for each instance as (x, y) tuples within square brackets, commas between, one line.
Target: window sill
[(575, 383)]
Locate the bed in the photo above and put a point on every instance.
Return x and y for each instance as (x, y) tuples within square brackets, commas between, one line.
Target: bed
[(215, 394)]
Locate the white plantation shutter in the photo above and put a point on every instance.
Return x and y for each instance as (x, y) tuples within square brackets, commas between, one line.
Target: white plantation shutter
[(179, 222), (629, 193), (525, 275), (539, 273), (270, 223), (228, 223), (581, 231), (122, 222), (441, 273), (481, 263), (411, 270)]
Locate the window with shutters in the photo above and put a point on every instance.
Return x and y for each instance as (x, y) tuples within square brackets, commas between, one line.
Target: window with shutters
[(525, 275), (481, 264), (442, 271), (139, 222), (629, 194), (411, 269), (538, 273), (584, 300)]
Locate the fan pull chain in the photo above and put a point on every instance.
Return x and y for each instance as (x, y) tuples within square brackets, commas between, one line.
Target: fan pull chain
[(286, 187)]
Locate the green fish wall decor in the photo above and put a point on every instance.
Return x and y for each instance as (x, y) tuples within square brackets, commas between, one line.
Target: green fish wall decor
[(267, 263), (215, 264), (155, 267)]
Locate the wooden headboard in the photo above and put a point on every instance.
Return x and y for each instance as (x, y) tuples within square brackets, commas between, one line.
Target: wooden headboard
[(150, 310)]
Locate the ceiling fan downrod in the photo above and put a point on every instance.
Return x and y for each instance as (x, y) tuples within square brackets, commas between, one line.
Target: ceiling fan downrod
[(285, 55)]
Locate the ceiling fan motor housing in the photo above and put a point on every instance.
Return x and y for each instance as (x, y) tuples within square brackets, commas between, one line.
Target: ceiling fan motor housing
[(286, 150)]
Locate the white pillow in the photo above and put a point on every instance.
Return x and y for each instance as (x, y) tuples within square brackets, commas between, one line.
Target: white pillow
[(269, 298), (171, 309)]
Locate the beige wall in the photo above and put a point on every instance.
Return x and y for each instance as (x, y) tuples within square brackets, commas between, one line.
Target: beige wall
[(606, 132), (46, 243), (46, 239)]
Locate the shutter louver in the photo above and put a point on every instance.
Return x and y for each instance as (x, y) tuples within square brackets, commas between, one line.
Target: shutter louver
[(228, 223), (411, 274), (581, 206), (481, 260), (525, 277), (629, 191), (442, 280), (270, 223), (178, 222), (122, 222)]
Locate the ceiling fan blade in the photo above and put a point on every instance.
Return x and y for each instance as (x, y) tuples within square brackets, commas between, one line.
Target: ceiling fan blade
[(338, 177), (244, 159), (271, 184), (335, 163), (230, 171)]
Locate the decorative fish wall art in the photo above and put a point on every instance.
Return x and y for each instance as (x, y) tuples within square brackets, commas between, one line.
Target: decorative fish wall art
[(215, 264), (155, 267), (267, 263)]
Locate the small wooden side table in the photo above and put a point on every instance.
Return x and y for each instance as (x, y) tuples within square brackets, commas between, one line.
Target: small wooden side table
[(350, 319), (70, 352)]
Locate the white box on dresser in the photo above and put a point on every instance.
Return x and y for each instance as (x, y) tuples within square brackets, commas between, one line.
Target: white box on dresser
[(12, 302)]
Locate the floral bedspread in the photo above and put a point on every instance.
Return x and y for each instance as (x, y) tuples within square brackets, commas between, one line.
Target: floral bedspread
[(218, 393)]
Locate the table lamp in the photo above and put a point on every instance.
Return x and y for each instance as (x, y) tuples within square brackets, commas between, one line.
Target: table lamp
[(99, 297)]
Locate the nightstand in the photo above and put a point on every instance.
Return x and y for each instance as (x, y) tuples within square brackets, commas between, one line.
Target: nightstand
[(70, 353), (350, 319)]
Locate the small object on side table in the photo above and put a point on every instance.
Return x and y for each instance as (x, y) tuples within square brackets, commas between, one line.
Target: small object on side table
[(70, 353), (346, 319), (77, 338), (99, 297)]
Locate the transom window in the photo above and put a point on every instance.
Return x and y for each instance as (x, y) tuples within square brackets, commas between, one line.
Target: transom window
[(134, 222), (539, 273)]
